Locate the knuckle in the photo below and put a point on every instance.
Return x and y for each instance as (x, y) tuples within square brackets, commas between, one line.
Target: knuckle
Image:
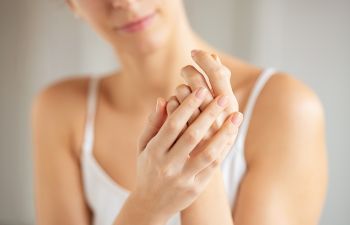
[(182, 93), (221, 72), (192, 102), (212, 113), (208, 155), (172, 125), (166, 173), (153, 155), (182, 183), (192, 136), (193, 190)]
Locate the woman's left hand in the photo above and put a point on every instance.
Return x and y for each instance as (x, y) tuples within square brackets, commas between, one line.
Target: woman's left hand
[(219, 83)]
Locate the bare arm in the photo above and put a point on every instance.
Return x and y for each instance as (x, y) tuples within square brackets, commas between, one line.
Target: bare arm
[(287, 169), (287, 179), (212, 206)]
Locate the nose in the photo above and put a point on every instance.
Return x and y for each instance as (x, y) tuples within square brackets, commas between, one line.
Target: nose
[(125, 4)]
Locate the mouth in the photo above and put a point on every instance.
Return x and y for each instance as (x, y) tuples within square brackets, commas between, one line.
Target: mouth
[(138, 24)]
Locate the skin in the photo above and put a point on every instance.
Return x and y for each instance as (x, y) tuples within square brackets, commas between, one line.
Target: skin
[(284, 149)]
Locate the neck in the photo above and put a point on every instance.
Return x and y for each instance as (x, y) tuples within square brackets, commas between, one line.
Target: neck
[(143, 78)]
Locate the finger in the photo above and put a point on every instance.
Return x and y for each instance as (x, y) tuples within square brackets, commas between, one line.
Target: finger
[(215, 147), (219, 76), (182, 91), (172, 105), (154, 122), (238, 118), (173, 125), (196, 131), (195, 79)]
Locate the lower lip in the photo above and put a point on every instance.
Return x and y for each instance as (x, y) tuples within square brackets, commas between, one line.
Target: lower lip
[(145, 22)]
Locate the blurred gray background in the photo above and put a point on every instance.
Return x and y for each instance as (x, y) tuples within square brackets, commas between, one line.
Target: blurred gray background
[(42, 42)]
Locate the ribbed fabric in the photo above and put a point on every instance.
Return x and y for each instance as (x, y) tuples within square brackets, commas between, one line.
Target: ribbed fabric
[(105, 197)]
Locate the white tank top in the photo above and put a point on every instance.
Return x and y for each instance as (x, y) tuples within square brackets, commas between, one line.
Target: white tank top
[(105, 197)]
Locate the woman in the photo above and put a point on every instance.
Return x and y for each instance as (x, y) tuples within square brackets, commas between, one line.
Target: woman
[(102, 164)]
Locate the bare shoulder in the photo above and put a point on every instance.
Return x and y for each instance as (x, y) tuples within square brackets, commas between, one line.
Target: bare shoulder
[(60, 107), (64, 89), (290, 96), (61, 97), (288, 118)]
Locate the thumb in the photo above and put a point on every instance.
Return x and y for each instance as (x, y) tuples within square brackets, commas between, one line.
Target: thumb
[(154, 123)]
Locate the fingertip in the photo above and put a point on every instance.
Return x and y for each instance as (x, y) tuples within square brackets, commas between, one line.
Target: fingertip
[(237, 118), (194, 52), (160, 104)]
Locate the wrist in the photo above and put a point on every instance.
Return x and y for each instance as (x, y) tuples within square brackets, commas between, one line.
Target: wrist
[(144, 209)]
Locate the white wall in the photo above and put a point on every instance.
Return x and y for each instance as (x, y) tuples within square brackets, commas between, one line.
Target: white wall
[(42, 42)]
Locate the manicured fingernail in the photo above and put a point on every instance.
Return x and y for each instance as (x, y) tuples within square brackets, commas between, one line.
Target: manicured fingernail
[(194, 52), (223, 100), (201, 92), (237, 118)]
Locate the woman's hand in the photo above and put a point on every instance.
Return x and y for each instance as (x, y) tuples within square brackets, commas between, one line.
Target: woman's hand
[(218, 77), (219, 80), (182, 91), (167, 180)]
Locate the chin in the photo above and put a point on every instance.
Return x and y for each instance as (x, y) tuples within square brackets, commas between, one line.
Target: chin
[(146, 41), (151, 43)]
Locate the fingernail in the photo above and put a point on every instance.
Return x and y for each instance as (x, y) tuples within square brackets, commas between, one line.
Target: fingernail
[(194, 52), (201, 92), (237, 118), (223, 100)]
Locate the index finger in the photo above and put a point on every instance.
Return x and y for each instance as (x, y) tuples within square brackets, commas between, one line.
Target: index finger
[(218, 75)]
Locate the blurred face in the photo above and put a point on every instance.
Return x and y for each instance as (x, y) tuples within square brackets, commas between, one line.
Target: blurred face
[(140, 26)]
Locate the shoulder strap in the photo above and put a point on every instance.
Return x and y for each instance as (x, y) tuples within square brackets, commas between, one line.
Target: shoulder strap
[(90, 115), (248, 111)]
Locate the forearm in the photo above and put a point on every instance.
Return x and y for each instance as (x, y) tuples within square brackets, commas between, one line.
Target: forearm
[(211, 207), (134, 212)]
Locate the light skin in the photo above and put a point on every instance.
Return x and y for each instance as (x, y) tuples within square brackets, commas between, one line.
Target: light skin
[(285, 147)]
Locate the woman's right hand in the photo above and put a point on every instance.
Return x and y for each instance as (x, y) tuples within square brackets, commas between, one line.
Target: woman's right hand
[(167, 181)]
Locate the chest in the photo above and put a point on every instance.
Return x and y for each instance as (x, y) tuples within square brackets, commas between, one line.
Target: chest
[(115, 147)]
